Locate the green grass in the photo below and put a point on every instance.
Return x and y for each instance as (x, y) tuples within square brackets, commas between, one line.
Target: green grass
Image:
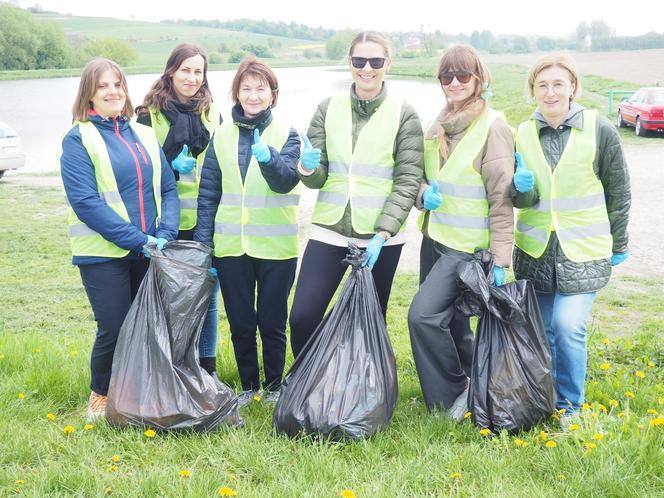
[(46, 332)]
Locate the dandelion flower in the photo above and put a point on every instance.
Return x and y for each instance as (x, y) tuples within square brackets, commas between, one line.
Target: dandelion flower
[(640, 374), (605, 341), (257, 397), (651, 364), (108, 490), (150, 433), (585, 407), (641, 426), (68, 429), (113, 468), (604, 366), (88, 427), (629, 394), (73, 354), (347, 493), (467, 415), (50, 416), (226, 491), (520, 443), (562, 477), (543, 435), (21, 395), (485, 432), (598, 436), (602, 408), (657, 421), (573, 427), (115, 458), (184, 473), (651, 411), (621, 414), (19, 481), (550, 444), (455, 475), (590, 446), (613, 403)]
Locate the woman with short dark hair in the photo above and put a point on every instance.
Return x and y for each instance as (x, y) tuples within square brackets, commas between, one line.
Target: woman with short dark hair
[(247, 211)]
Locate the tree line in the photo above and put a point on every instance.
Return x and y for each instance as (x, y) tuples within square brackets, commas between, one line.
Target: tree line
[(27, 43)]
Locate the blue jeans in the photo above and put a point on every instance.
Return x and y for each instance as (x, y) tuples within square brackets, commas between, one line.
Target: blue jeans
[(207, 343), (565, 317)]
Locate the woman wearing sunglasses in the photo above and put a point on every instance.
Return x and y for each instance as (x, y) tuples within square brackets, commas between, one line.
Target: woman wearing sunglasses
[(364, 154), (572, 188), (469, 164)]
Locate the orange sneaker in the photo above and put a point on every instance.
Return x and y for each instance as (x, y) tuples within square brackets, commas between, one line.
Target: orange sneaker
[(96, 406)]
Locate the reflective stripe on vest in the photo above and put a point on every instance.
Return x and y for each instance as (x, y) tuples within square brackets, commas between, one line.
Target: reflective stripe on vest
[(251, 218), (84, 240), (571, 201), (362, 176), (187, 184), (462, 220)]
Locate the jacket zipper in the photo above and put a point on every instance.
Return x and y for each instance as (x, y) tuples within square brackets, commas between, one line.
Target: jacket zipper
[(140, 149), (139, 174)]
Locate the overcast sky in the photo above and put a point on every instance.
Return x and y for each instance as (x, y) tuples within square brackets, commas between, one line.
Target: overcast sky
[(535, 17)]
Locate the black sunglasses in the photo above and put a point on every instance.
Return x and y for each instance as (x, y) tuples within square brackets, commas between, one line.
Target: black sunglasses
[(374, 62), (461, 76)]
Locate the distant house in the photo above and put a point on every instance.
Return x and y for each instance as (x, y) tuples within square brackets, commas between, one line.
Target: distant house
[(412, 42)]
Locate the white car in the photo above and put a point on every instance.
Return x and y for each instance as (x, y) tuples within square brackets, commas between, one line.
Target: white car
[(11, 156)]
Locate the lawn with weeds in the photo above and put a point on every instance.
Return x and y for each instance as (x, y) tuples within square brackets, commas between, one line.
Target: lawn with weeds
[(46, 333)]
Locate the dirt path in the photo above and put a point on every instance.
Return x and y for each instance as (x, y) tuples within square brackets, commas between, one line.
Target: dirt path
[(646, 227)]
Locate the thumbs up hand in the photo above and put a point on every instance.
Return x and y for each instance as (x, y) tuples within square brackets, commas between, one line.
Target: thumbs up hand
[(260, 149), (524, 179), (431, 197), (310, 156), (184, 163)]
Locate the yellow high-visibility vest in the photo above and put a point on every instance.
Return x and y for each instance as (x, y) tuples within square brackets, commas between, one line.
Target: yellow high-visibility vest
[(571, 198), (187, 184), (363, 176), (462, 220), (253, 219), (85, 241)]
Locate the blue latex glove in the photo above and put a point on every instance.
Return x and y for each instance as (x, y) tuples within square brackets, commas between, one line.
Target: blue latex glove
[(184, 163), (524, 179), (619, 257), (260, 149), (159, 242), (310, 156), (432, 198), (213, 272), (373, 250), (498, 275)]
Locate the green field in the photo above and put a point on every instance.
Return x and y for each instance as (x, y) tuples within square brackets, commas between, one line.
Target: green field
[(47, 329)]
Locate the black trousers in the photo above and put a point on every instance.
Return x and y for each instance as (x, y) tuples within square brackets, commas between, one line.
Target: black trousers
[(321, 272), (255, 293), (441, 337), (111, 287)]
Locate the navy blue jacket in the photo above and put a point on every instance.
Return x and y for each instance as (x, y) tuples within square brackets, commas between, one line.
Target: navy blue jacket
[(280, 172), (132, 168)]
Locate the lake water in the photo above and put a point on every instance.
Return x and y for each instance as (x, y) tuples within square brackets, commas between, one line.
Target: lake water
[(40, 109)]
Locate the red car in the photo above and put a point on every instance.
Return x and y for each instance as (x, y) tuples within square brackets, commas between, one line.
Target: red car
[(644, 111)]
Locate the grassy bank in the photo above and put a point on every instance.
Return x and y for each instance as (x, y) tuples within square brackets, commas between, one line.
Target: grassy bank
[(46, 331)]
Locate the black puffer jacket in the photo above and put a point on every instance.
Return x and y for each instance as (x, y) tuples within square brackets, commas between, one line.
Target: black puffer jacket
[(553, 270), (408, 158)]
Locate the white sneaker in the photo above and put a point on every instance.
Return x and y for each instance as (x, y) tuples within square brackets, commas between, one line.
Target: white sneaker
[(459, 407), (271, 396), (246, 397)]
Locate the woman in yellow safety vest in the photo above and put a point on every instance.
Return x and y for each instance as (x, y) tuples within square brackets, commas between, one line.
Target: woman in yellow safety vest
[(364, 154), (468, 162), (572, 189), (121, 195), (180, 110), (247, 210)]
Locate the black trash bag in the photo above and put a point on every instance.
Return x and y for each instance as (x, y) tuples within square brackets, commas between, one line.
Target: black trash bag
[(511, 385), (156, 379), (343, 385)]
